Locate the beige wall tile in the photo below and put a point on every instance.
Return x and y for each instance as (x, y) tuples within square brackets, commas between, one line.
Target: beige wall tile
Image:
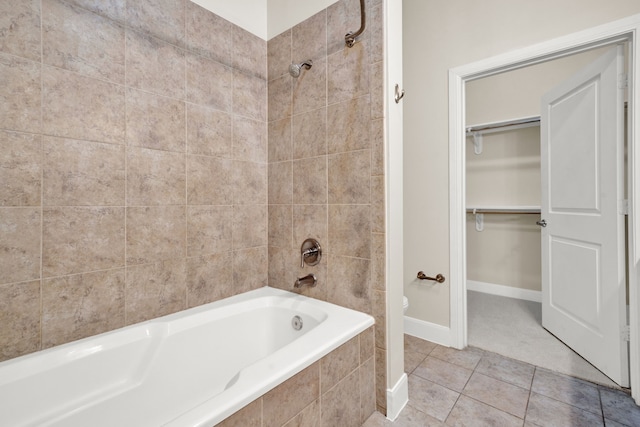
[(82, 239), (82, 173), (209, 181), (154, 65), (348, 73), (249, 226), (208, 34), (20, 28), (249, 183), (155, 177), (208, 229), (113, 9), (290, 397), (378, 257), (249, 140), (154, 290), (349, 283), (249, 96), (309, 38), (250, 269), (310, 89), (381, 379), (279, 55), (164, 19), (209, 278), (250, 53), (19, 244), (310, 134), (349, 230), (80, 107), (209, 132), (367, 344), (281, 273), (20, 319), (367, 374), (341, 404), (82, 305), (155, 122), (377, 147), (209, 83), (377, 204), (280, 101), (280, 183), (308, 417), (379, 313), (280, 226), (339, 363), (376, 81), (78, 40), (350, 177), (309, 221), (155, 233), (310, 180), (21, 94), (349, 125), (20, 169), (280, 143), (376, 33)]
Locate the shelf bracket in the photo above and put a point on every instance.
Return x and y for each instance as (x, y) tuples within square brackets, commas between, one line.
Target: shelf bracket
[(479, 221), (477, 142)]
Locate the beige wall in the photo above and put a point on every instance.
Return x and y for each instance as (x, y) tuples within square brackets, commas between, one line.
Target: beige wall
[(438, 36), (326, 164)]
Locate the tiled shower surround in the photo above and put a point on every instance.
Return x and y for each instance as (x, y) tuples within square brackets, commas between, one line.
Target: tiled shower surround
[(155, 157)]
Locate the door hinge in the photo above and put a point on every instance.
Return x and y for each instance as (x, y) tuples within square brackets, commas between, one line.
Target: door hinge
[(626, 333), (623, 207), (623, 81)]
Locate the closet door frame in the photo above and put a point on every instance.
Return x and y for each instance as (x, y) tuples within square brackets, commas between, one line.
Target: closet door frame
[(627, 29)]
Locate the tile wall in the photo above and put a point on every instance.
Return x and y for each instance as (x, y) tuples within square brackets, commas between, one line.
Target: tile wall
[(326, 162), (155, 157), (133, 165)]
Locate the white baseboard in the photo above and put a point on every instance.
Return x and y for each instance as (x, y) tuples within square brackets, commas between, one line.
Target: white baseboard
[(397, 397), (427, 331), (504, 291)]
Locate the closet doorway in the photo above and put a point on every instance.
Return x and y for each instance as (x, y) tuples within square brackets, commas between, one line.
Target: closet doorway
[(505, 271), (624, 30)]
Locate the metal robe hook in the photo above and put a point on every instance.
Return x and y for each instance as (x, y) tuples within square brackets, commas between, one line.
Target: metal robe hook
[(399, 94)]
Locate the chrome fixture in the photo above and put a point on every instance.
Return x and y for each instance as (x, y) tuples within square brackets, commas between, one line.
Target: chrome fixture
[(350, 37), (542, 223), (439, 277), (308, 280), (295, 69), (310, 252), (297, 323)]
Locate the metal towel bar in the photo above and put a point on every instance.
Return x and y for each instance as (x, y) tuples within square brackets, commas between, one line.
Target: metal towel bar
[(439, 277)]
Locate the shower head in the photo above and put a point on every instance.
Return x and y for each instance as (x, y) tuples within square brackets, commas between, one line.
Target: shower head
[(295, 69)]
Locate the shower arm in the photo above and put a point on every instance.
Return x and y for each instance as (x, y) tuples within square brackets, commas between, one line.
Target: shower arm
[(350, 37)]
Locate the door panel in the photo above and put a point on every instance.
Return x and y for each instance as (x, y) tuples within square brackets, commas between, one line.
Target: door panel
[(583, 277)]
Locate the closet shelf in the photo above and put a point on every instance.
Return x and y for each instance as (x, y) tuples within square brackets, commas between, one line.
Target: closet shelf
[(503, 209), (476, 131)]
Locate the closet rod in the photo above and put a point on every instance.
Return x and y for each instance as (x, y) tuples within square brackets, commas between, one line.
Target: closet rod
[(531, 121), (503, 212)]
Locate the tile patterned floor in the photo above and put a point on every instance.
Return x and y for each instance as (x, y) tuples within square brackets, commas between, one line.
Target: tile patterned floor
[(476, 388)]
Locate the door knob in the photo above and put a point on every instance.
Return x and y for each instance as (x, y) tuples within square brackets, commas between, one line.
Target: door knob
[(542, 223)]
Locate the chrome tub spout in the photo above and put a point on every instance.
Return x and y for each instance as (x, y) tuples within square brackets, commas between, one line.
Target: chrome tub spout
[(308, 280)]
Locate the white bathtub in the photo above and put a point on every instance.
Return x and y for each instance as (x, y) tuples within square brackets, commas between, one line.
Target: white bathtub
[(192, 368)]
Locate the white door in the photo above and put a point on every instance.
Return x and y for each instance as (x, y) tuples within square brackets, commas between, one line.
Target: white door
[(583, 242)]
